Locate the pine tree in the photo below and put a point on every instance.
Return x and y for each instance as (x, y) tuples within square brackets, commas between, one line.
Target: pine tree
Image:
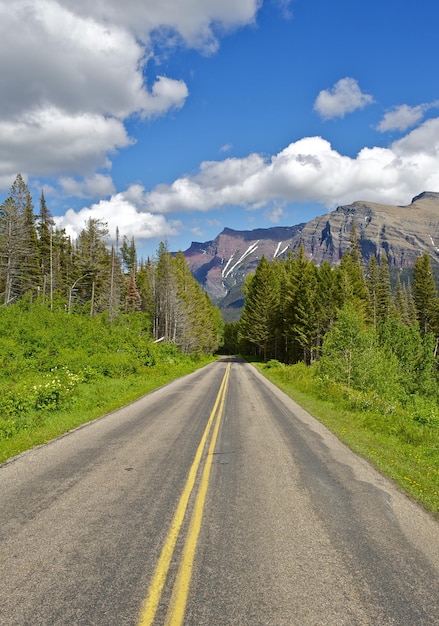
[(46, 251), (353, 284), (64, 260), (92, 266), (115, 286), (31, 272), (372, 281), (191, 321), (302, 310), (146, 284), (384, 289), (257, 319), (129, 255), (133, 299), (188, 310), (280, 285), (327, 301), (411, 306), (400, 307), (18, 244), (425, 295), (166, 301), (10, 240), (355, 245)]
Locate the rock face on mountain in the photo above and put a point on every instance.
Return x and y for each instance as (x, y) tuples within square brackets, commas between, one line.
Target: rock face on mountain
[(403, 232), (221, 265)]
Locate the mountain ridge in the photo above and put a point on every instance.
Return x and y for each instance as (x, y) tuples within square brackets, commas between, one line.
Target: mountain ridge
[(403, 232)]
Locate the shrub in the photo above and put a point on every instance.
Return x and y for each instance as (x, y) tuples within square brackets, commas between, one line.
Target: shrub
[(273, 363), (113, 365)]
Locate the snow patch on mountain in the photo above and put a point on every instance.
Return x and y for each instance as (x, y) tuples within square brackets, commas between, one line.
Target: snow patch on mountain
[(277, 249), (434, 245), (279, 252), (224, 272), (247, 253)]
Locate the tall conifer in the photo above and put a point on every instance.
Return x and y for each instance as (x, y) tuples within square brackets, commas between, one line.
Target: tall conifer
[(302, 314), (46, 250), (425, 295), (258, 316)]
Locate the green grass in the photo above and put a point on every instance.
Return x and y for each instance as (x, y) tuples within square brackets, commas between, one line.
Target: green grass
[(392, 437), (89, 401), (58, 371)]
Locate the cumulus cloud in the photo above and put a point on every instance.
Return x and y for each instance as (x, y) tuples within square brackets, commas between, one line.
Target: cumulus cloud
[(195, 22), (98, 185), (122, 212), (344, 97), (73, 71), (404, 116), (308, 170), (50, 142)]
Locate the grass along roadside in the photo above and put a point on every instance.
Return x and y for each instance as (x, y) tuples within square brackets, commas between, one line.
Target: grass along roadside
[(400, 442), (89, 401)]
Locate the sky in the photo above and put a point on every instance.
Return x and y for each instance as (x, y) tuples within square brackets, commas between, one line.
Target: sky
[(170, 120)]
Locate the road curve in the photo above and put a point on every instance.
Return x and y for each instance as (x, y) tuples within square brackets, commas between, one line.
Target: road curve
[(282, 523)]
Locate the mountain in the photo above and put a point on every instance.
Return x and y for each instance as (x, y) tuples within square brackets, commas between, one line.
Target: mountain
[(404, 232), (221, 265)]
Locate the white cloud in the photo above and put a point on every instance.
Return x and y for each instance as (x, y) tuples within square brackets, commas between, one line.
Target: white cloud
[(166, 94), (120, 212), (275, 214), (404, 116), (195, 22), (218, 183), (72, 72), (309, 170), (306, 171), (344, 97), (401, 118), (74, 64), (420, 145), (97, 186), (51, 142)]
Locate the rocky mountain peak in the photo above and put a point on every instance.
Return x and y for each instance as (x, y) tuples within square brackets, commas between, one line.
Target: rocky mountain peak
[(403, 232), (426, 195)]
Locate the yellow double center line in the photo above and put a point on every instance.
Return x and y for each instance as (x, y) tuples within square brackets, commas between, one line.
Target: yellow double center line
[(177, 605)]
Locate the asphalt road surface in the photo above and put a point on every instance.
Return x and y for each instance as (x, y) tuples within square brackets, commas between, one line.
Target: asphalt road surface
[(217, 501)]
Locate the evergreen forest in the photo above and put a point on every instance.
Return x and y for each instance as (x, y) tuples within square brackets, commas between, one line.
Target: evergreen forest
[(346, 322), (40, 263)]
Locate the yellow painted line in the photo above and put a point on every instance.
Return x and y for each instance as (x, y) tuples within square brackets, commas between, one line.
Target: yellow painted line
[(152, 601), (180, 591)]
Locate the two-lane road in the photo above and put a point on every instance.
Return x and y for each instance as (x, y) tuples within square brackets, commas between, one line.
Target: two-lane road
[(214, 501)]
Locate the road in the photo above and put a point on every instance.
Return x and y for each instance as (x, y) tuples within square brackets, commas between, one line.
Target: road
[(218, 501)]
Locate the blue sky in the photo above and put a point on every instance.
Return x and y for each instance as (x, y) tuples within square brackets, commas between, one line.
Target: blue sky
[(172, 119)]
